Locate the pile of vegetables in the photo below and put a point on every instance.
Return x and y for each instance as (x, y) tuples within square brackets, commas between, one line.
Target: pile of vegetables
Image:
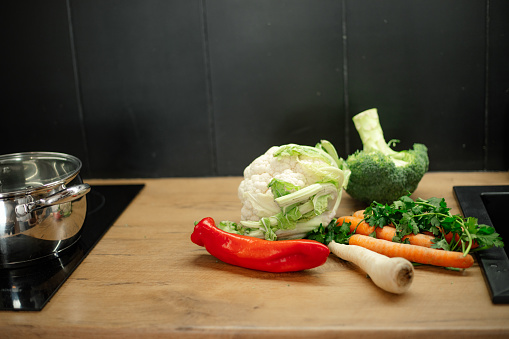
[(394, 275), (290, 196)]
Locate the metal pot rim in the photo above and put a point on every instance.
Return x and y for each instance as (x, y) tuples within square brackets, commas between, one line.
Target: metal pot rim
[(52, 183)]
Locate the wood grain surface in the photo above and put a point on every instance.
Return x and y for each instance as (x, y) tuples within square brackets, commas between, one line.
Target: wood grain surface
[(145, 278)]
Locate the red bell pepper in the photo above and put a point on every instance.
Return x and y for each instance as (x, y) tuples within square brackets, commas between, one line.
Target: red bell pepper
[(259, 254)]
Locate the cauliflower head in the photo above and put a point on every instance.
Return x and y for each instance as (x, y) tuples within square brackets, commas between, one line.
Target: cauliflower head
[(289, 191)]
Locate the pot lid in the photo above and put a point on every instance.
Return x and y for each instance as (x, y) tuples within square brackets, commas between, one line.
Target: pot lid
[(30, 171)]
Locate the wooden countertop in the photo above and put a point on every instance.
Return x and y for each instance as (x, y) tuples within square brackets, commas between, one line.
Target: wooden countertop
[(146, 278)]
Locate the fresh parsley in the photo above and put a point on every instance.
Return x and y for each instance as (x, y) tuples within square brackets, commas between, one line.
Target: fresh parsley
[(325, 234), (452, 232)]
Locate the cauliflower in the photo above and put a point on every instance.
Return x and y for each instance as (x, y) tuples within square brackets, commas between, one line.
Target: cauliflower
[(289, 191)]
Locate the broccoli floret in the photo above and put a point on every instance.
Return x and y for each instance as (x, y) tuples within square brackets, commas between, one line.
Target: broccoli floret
[(378, 173)]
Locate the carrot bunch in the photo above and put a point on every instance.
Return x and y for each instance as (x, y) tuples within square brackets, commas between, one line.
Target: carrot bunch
[(422, 231), (359, 226), (417, 249)]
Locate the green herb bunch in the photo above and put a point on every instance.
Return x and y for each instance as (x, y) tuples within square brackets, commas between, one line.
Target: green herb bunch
[(431, 216), (326, 234), (452, 232)]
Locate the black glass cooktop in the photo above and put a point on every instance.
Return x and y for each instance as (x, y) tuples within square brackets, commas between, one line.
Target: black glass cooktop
[(488, 204), (30, 288)]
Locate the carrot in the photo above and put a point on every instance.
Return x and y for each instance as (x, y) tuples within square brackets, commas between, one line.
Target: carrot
[(421, 239), (418, 254), (448, 238), (356, 224), (394, 275), (385, 233), (358, 214)]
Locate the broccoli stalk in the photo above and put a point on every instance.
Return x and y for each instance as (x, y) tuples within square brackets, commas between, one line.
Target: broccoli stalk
[(368, 126), (379, 173)]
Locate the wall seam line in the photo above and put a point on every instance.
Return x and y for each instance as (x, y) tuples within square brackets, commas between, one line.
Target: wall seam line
[(209, 90), (486, 87), (346, 104), (79, 99)]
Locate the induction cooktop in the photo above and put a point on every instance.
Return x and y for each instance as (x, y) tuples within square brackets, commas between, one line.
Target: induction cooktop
[(29, 288), (488, 204)]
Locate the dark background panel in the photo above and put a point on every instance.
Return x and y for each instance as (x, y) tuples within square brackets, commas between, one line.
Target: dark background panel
[(277, 76), (40, 110), (143, 82), (497, 109), (421, 63), (200, 88)]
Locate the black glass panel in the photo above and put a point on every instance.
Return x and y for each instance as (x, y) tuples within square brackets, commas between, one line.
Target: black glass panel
[(485, 203), (495, 204)]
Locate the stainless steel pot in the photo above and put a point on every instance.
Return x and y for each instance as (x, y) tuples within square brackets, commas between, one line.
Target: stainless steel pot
[(42, 206)]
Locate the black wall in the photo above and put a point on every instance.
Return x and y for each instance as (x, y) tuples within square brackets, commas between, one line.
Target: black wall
[(154, 88)]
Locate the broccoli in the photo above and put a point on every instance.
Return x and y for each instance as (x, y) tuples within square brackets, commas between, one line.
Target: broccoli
[(378, 173)]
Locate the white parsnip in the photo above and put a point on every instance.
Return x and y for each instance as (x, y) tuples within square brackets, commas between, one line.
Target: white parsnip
[(394, 275)]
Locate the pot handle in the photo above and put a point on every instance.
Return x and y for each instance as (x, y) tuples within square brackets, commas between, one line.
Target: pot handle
[(69, 194)]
